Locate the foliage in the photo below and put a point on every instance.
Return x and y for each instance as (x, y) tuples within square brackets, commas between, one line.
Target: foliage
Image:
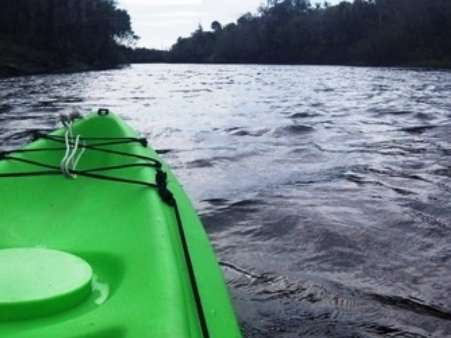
[(90, 31), (196, 48), (366, 32), (144, 55), (376, 32)]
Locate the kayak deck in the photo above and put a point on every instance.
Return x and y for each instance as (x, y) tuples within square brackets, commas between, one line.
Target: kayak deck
[(154, 272)]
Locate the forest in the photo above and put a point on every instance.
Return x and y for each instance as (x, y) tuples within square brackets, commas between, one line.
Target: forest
[(362, 32), (52, 35), (56, 35)]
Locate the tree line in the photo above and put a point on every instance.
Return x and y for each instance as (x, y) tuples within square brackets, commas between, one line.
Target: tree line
[(92, 32), (365, 32), (98, 34)]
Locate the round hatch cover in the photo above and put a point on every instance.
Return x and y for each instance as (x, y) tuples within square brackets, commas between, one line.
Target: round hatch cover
[(36, 282)]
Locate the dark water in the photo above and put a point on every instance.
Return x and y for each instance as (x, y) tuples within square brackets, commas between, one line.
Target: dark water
[(326, 190)]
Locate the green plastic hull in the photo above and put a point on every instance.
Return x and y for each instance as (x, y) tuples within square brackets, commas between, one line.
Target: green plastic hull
[(154, 272)]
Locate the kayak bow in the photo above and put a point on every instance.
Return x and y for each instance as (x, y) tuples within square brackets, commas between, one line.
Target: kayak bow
[(98, 239)]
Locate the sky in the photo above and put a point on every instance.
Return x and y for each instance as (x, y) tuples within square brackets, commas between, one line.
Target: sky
[(159, 23)]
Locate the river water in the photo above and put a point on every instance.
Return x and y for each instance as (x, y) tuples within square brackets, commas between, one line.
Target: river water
[(325, 190)]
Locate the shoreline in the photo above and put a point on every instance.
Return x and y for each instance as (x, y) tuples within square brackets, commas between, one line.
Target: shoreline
[(22, 60)]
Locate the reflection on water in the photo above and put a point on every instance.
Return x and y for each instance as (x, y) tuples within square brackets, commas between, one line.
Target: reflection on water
[(325, 190)]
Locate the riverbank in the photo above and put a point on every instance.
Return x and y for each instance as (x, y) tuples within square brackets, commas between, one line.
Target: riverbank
[(19, 59)]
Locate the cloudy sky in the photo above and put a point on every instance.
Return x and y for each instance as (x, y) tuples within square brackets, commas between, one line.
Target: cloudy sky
[(160, 22)]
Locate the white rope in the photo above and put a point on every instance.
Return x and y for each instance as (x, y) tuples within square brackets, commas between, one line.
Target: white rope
[(64, 165), (69, 161), (74, 163)]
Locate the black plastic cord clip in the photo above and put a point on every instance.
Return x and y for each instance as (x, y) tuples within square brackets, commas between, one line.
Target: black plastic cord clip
[(163, 191), (36, 135), (160, 178), (143, 142)]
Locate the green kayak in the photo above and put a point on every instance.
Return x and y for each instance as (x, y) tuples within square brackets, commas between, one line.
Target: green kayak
[(98, 239)]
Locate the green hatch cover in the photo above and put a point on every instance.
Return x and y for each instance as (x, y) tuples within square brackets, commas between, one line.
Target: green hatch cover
[(36, 282)]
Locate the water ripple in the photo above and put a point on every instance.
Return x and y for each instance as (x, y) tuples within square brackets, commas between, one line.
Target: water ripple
[(325, 190)]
